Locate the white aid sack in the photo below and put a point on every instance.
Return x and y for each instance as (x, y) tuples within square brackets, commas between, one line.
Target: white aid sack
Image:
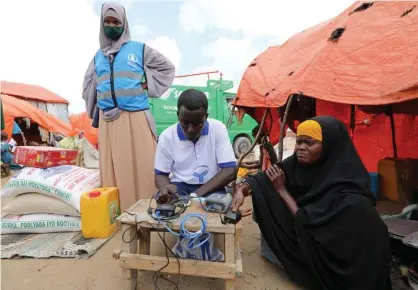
[(29, 203), (39, 223), (66, 182)]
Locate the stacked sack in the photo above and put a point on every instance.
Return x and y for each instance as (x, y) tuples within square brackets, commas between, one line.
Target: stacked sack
[(46, 194)]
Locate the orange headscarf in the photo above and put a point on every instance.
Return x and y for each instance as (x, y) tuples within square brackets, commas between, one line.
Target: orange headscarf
[(310, 128)]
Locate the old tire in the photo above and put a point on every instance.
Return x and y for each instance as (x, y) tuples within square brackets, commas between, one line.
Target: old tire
[(241, 145)]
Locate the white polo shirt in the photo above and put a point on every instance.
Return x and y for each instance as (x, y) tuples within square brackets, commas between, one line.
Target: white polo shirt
[(194, 163)]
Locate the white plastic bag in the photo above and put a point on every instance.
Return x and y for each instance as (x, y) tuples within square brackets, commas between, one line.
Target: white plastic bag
[(184, 249), (91, 156), (66, 182), (39, 223)]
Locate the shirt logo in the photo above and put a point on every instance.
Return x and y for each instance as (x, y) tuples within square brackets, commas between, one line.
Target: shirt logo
[(200, 172)]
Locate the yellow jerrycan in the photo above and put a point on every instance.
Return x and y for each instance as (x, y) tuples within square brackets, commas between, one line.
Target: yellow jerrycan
[(99, 209)]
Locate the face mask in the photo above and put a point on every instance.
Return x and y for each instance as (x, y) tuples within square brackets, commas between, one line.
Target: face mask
[(113, 32)]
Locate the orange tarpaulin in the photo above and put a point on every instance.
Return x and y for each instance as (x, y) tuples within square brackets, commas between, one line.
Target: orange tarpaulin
[(82, 123), (30, 92), (367, 55), (15, 108), (373, 62)]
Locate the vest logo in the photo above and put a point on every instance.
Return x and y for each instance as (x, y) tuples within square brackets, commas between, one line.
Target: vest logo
[(200, 172), (133, 60), (133, 57)]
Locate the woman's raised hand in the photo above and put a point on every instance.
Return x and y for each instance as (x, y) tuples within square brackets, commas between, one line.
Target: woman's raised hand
[(277, 177)]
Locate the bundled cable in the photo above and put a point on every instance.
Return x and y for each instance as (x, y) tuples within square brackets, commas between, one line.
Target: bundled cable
[(194, 237)]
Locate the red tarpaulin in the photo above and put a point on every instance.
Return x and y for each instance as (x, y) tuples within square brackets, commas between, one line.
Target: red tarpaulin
[(367, 55)]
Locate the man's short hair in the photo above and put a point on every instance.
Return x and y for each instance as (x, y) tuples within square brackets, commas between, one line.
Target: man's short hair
[(193, 99)]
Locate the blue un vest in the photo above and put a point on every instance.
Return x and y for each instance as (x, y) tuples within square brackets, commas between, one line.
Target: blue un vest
[(128, 75)]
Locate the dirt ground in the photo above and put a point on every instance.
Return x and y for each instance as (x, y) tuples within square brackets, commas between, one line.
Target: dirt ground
[(101, 271)]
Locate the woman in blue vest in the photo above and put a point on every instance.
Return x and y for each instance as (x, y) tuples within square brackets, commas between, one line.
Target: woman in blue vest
[(119, 80)]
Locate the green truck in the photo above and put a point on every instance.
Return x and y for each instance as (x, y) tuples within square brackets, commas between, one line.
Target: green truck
[(164, 110)]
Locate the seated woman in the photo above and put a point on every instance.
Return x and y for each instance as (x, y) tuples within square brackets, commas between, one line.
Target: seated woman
[(316, 212)]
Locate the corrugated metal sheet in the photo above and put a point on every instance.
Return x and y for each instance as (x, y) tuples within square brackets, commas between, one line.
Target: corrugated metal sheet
[(58, 110), (42, 106), (33, 103), (63, 113)]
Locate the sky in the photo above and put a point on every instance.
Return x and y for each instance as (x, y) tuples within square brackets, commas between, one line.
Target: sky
[(51, 42)]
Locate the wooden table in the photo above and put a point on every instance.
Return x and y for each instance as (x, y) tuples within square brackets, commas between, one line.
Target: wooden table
[(135, 255)]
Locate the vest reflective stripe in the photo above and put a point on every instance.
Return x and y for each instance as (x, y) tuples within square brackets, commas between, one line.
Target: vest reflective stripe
[(121, 74), (127, 74), (121, 93)]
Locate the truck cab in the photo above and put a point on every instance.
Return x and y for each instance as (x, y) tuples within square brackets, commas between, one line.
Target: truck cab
[(164, 110)]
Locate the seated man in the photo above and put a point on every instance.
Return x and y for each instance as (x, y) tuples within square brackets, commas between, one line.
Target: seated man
[(194, 155)]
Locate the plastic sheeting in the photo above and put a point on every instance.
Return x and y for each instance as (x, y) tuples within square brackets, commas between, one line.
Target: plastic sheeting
[(367, 55), (15, 108), (81, 123)]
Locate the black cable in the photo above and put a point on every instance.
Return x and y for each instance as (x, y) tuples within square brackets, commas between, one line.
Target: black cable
[(222, 220), (134, 237), (157, 275)]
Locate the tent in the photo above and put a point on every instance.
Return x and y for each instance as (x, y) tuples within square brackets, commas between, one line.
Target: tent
[(15, 108), (39, 97), (360, 67), (82, 123)]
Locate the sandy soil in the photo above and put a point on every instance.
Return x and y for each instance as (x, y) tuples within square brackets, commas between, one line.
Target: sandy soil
[(102, 272)]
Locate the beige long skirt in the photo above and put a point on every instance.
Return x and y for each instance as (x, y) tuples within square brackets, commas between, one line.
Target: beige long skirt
[(127, 150)]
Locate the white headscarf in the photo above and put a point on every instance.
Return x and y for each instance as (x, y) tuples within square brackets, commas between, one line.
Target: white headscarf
[(107, 45)]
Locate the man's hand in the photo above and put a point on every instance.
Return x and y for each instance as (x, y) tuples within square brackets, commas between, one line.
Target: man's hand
[(220, 180), (166, 192)]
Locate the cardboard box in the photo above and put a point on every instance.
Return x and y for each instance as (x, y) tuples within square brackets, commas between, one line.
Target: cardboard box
[(44, 157), (398, 179)]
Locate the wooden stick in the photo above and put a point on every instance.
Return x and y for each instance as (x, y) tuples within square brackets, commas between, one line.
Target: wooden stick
[(228, 124), (255, 140), (250, 149), (282, 125), (187, 266)]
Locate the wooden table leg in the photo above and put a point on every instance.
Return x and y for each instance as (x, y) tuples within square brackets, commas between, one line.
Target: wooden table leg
[(144, 240), (229, 258), (129, 245)]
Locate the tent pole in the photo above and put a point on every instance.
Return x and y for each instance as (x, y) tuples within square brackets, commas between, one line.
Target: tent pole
[(392, 127), (228, 124), (282, 126), (241, 158)]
